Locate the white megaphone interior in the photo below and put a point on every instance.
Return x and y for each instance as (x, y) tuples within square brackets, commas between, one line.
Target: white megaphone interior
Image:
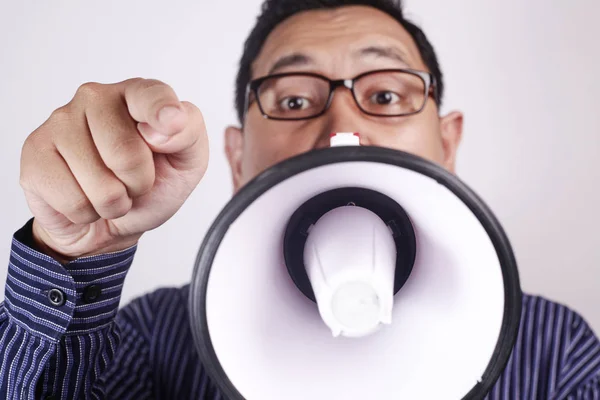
[(271, 340), (350, 259)]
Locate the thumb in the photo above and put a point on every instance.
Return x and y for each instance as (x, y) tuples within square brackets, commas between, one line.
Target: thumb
[(187, 148)]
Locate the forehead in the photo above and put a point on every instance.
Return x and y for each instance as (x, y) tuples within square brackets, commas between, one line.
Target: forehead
[(329, 37)]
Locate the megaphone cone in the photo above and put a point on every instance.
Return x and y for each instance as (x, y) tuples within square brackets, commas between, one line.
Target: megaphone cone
[(355, 273)]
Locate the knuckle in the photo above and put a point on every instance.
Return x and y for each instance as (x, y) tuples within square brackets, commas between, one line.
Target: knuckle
[(112, 197), (25, 182), (90, 90), (114, 203), (30, 143), (33, 157), (131, 81), (61, 115), (130, 156), (80, 208)]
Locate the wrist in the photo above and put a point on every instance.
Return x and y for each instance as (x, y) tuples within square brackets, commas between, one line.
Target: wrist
[(84, 247)]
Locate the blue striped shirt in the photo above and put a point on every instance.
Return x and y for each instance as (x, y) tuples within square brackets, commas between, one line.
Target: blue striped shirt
[(86, 348)]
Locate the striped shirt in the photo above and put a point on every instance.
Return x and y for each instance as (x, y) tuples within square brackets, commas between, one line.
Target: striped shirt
[(79, 345)]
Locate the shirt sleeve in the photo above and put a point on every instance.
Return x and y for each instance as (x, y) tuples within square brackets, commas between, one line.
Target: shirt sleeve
[(58, 334), (580, 375)]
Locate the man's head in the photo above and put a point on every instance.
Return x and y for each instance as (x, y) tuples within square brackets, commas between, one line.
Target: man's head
[(338, 40)]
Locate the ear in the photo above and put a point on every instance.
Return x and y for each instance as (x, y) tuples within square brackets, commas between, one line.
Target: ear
[(451, 127), (234, 150)]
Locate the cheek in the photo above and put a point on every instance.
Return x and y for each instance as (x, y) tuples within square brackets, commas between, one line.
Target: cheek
[(418, 136), (258, 155), (268, 142)]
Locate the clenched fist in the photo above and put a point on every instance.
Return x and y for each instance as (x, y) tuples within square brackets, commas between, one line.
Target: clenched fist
[(115, 162)]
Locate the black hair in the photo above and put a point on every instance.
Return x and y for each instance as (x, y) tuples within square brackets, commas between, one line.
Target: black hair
[(273, 12)]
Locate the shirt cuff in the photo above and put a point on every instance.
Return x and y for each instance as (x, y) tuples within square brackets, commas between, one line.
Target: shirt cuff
[(50, 300)]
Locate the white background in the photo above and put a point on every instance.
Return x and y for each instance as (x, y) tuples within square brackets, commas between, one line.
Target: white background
[(524, 72)]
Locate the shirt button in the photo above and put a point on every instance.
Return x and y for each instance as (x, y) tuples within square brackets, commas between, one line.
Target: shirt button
[(56, 297), (91, 293)]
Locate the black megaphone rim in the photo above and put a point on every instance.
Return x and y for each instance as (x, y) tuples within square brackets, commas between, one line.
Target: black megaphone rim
[(321, 157)]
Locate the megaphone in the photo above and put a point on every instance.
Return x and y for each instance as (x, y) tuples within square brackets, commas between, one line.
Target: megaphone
[(355, 272)]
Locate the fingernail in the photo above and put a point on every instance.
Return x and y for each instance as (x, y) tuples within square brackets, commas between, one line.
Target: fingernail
[(152, 136), (168, 114)]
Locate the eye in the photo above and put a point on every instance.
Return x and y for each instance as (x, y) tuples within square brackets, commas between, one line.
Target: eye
[(384, 97), (294, 103)]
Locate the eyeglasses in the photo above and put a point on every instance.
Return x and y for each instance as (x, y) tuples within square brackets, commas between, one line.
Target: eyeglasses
[(303, 95)]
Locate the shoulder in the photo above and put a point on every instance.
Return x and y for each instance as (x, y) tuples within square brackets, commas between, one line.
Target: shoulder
[(548, 316), (558, 344), (555, 325)]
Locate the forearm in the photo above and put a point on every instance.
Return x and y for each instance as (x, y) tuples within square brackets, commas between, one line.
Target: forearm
[(57, 329)]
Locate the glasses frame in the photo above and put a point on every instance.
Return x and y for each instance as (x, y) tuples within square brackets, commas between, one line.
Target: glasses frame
[(427, 78)]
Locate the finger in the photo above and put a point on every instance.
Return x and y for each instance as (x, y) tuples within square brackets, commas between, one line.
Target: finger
[(46, 216), (107, 194), (156, 104), (110, 149), (51, 188), (187, 149)]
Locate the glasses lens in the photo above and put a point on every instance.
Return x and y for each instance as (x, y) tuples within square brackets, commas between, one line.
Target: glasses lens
[(292, 97), (390, 93)]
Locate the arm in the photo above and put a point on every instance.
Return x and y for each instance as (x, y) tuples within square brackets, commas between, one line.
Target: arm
[(58, 335), (116, 161)]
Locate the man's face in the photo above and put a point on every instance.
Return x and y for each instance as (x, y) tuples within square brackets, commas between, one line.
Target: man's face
[(332, 43)]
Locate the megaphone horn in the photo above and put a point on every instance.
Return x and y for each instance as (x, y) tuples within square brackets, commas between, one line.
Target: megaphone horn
[(355, 272)]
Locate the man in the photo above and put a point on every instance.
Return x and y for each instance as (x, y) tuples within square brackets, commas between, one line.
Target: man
[(120, 159)]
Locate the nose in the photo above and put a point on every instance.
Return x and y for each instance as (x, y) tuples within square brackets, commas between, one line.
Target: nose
[(343, 115)]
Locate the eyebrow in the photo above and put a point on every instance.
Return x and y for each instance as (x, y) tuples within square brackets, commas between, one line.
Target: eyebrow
[(292, 60), (383, 52), (300, 59)]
